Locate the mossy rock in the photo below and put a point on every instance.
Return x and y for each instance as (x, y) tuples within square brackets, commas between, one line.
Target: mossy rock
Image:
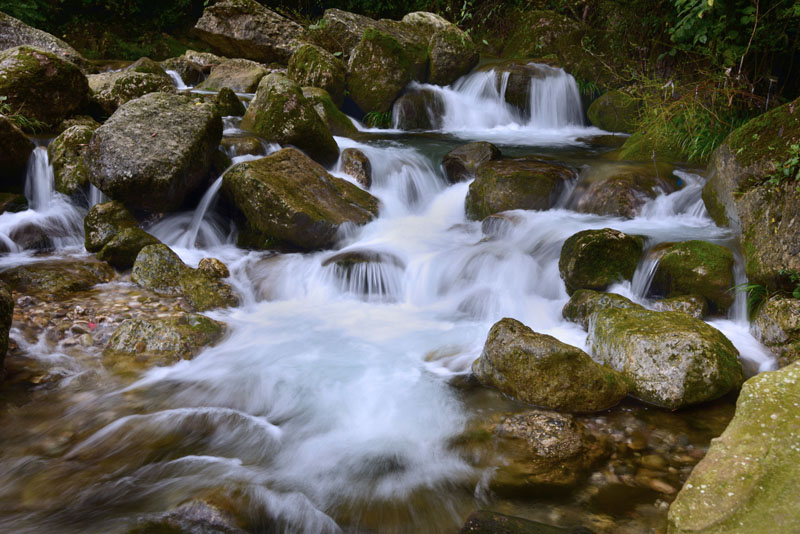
[(777, 325), (14, 32), (452, 55), (12, 203), (66, 155), (669, 359), (595, 259), (121, 250), (540, 370), (41, 85), (693, 305), (147, 66), (615, 111), (418, 109), (139, 344), (460, 164), (281, 114), (644, 145), (337, 122), (192, 66), (17, 149), (112, 89), (747, 481), (78, 120), (294, 200), (356, 164), (57, 279), (103, 222), (584, 303), (228, 104), (6, 317), (523, 183), (239, 75), (313, 66), (696, 268)]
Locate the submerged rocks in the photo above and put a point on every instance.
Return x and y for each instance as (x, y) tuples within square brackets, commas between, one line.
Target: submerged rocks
[(160, 143), (356, 164), (14, 32), (460, 164), (595, 259), (614, 111), (523, 183), (161, 270), (777, 325), (540, 370), (6, 317), (486, 522), (313, 66), (41, 85), (295, 201), (246, 29), (55, 280), (748, 480), (17, 149), (66, 155), (112, 89), (239, 75), (669, 358), (280, 113)]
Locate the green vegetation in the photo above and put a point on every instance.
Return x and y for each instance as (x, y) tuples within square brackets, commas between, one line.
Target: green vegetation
[(375, 119), (26, 124), (788, 171)]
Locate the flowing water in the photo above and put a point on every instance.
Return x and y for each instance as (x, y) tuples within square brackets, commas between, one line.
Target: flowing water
[(334, 402)]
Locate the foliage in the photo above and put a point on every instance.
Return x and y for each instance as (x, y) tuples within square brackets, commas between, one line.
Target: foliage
[(26, 124), (756, 297), (374, 119), (794, 279), (789, 170)]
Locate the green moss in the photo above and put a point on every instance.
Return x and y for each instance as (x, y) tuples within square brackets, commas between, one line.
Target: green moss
[(615, 111), (338, 123), (594, 259), (768, 136)]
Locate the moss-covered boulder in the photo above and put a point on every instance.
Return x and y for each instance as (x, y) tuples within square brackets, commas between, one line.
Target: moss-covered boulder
[(337, 122), (112, 89), (540, 370), (313, 66), (161, 144), (77, 120), (280, 113), (693, 305), (669, 358), (192, 66), (17, 149), (739, 194), (649, 145), (418, 109), (584, 303), (460, 164), (380, 67), (523, 183), (696, 268), (246, 29), (56, 279), (139, 344), (214, 268), (14, 32), (41, 85), (295, 201), (595, 259), (66, 155), (240, 75), (103, 222), (121, 250), (615, 111), (452, 55), (487, 522), (356, 164), (6, 317), (777, 325), (228, 104), (748, 480), (161, 270), (147, 65)]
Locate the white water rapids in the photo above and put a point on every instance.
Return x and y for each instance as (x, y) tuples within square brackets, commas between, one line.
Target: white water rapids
[(328, 395)]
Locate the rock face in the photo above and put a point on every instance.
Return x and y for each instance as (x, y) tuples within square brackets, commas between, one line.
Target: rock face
[(17, 149), (418, 109), (159, 143), (41, 85), (595, 259), (696, 268), (295, 201), (356, 164), (141, 343), (112, 89), (6, 316), (54, 280), (239, 75), (14, 32), (738, 194), (540, 370), (777, 325), (161, 270), (614, 111), (524, 183), (280, 113), (452, 54), (669, 358), (246, 29), (337, 122), (192, 66), (66, 155), (747, 482), (313, 66), (460, 164), (585, 302)]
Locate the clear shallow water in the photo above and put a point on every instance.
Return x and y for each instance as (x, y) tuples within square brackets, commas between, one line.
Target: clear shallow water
[(330, 404)]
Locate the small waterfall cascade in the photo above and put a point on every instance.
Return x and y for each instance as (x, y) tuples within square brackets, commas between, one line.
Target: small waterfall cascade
[(180, 85), (39, 180)]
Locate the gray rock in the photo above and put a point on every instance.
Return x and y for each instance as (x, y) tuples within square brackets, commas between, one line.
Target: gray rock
[(460, 164), (112, 89), (239, 75), (777, 325), (14, 32), (66, 154)]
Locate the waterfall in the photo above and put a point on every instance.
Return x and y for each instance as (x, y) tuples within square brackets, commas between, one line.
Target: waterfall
[(177, 80), (39, 180)]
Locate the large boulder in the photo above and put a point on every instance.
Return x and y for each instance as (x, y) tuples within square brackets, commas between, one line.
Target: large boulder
[(615, 111), (777, 325), (66, 154), (540, 370), (337, 122), (746, 191), (122, 250), (161, 270), (14, 32), (56, 279), (103, 222), (418, 109), (695, 268), (41, 85), (112, 89), (747, 481), (295, 201), (246, 29), (584, 303), (523, 183), (313, 66), (6, 317), (239, 75), (595, 259), (460, 164), (281, 114), (161, 144), (17, 149), (139, 344), (452, 55), (669, 358)]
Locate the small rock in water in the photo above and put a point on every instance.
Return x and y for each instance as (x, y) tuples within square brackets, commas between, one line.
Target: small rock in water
[(213, 267)]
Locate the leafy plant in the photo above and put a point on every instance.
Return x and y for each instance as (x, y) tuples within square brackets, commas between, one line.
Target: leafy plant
[(756, 296), (26, 124), (375, 119), (794, 279), (788, 170)]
